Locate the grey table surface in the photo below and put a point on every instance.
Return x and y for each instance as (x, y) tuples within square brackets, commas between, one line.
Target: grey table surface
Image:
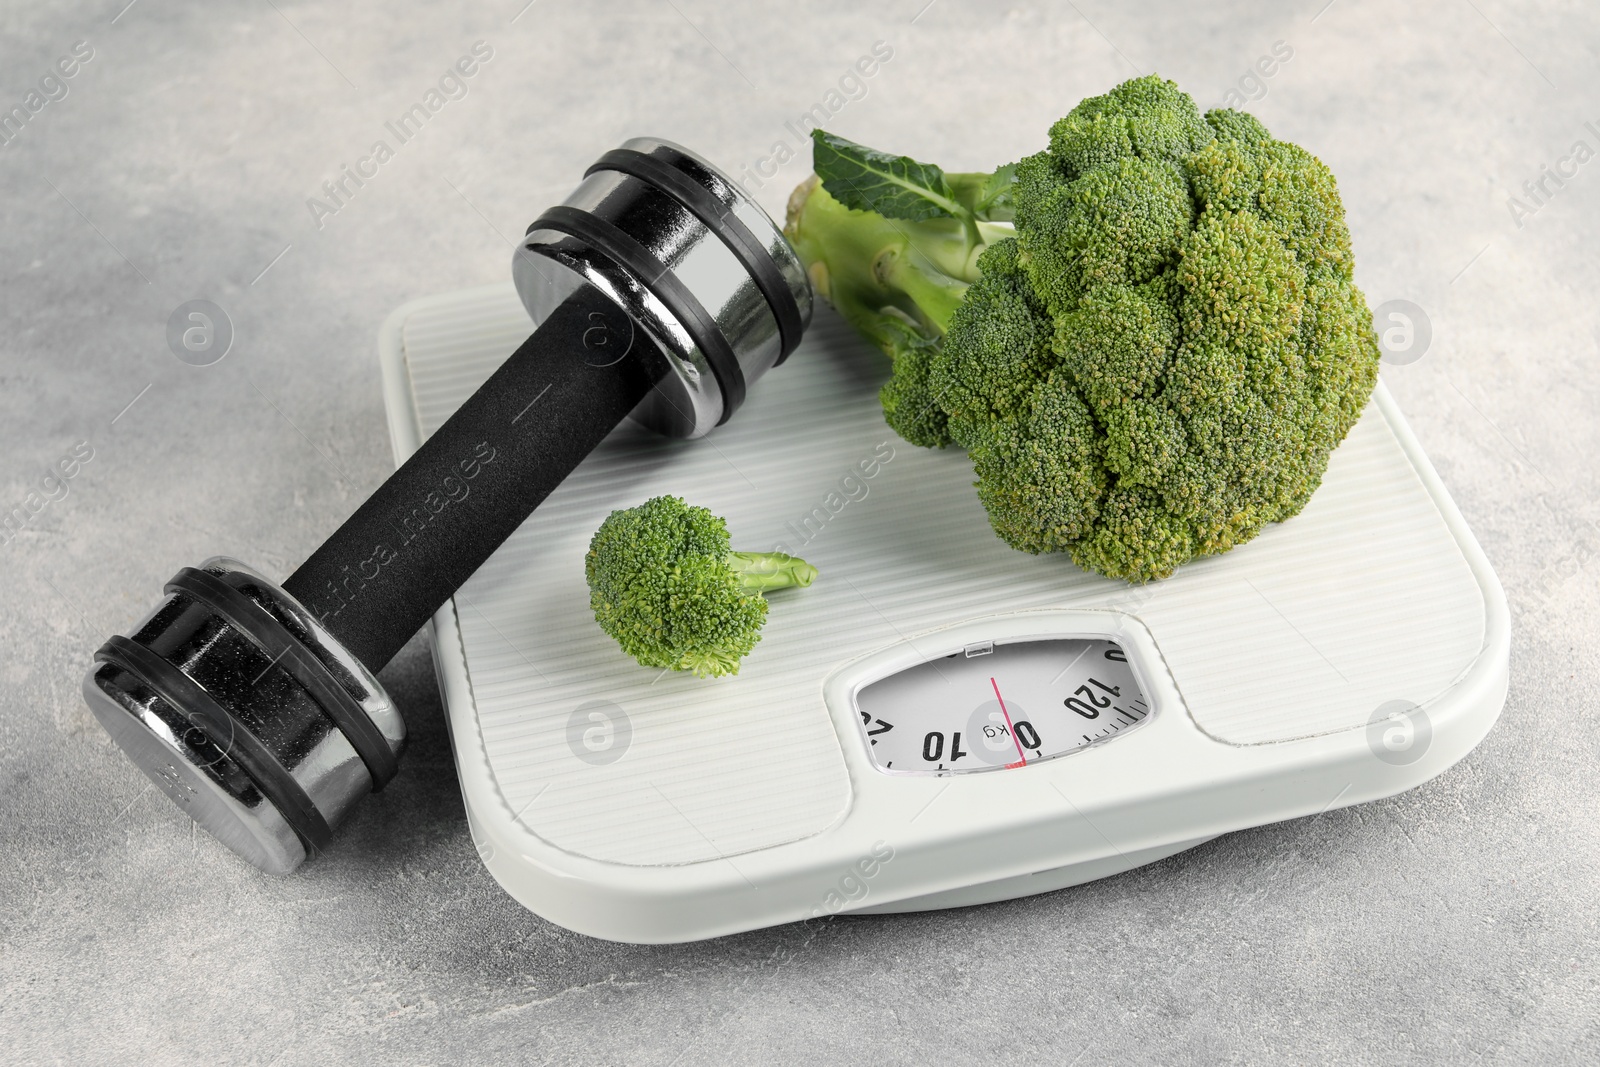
[(1453, 923)]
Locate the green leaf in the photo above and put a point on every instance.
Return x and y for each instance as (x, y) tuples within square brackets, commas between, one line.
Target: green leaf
[(896, 187), (986, 197), (995, 201)]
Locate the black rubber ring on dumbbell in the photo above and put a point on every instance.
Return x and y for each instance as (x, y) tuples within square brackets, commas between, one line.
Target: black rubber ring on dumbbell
[(720, 220), (659, 279), (225, 731), (236, 608), (689, 165)]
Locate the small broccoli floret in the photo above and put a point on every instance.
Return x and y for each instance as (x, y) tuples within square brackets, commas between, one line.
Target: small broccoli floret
[(1152, 364), (664, 583)]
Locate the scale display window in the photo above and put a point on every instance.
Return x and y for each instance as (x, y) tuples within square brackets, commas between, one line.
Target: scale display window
[(1005, 706)]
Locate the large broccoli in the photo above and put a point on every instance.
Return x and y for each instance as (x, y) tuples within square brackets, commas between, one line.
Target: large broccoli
[(664, 584), (1152, 366)]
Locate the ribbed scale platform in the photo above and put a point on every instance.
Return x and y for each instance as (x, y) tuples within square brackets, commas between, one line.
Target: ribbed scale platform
[(1363, 598)]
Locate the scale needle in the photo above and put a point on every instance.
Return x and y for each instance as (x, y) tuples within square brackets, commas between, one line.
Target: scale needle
[(1014, 739)]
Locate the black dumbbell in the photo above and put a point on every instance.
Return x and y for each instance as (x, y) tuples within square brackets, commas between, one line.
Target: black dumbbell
[(658, 290)]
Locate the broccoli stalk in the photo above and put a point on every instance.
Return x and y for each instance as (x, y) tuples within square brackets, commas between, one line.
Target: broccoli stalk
[(665, 584), (886, 276), (893, 243), (762, 572), (1152, 364)]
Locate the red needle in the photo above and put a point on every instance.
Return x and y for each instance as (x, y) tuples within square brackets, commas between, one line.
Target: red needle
[(1007, 714)]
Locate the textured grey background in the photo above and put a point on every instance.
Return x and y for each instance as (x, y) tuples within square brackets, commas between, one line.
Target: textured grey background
[(1454, 923)]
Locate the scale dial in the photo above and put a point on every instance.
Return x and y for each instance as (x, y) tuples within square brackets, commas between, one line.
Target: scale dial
[(1000, 706)]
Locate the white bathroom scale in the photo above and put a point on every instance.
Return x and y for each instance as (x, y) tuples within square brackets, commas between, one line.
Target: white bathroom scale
[(939, 720)]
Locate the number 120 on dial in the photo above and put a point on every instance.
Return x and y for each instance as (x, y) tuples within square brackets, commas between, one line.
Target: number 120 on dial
[(1000, 706)]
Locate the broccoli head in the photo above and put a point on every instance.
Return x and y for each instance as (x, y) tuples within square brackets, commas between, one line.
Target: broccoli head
[(1151, 363), (665, 585)]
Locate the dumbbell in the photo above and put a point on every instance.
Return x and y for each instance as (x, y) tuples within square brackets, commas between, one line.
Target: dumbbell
[(658, 290)]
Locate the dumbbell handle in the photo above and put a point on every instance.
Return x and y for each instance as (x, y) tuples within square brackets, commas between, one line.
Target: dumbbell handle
[(437, 518)]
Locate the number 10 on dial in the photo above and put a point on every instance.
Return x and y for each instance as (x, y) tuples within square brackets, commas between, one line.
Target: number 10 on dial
[(1000, 706)]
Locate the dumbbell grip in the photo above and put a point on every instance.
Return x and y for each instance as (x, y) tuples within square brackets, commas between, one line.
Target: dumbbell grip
[(426, 529)]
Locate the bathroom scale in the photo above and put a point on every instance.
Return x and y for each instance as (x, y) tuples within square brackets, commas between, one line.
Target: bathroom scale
[(939, 720)]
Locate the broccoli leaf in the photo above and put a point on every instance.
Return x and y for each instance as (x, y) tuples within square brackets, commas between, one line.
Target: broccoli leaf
[(994, 202), (985, 197), (896, 187)]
